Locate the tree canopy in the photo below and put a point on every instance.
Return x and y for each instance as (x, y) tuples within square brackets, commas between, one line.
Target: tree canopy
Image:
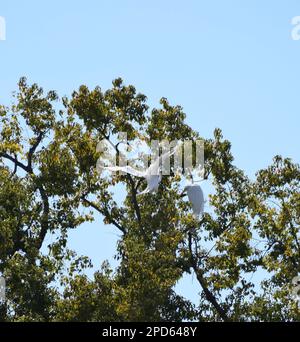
[(244, 251)]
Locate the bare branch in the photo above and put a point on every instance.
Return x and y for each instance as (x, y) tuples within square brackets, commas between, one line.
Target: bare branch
[(208, 294), (14, 160), (33, 149), (105, 213)]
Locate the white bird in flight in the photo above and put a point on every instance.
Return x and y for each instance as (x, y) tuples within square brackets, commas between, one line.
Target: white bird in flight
[(152, 174)]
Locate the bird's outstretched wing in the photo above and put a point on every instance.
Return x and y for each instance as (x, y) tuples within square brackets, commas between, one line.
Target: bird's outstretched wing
[(126, 169)]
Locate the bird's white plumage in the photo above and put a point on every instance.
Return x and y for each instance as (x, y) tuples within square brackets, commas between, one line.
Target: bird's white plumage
[(196, 198), (152, 184), (152, 174), (126, 169)]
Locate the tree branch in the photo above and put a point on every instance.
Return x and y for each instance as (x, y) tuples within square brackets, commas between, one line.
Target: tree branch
[(208, 294), (14, 160), (33, 149), (45, 217), (105, 213), (45, 200)]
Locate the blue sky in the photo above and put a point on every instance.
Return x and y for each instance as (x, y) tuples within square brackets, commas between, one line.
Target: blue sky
[(230, 64)]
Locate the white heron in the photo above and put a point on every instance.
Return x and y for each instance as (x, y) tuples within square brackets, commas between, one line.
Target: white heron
[(152, 175), (195, 195), (196, 198)]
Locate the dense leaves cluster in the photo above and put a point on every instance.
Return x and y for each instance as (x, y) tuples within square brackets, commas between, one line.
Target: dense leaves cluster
[(244, 251)]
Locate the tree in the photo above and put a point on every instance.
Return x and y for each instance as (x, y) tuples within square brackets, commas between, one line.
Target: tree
[(244, 251)]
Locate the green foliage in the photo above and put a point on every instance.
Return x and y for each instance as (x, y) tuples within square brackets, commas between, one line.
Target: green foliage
[(244, 251)]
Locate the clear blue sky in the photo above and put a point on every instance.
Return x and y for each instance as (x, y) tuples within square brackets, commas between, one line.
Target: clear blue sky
[(230, 64)]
